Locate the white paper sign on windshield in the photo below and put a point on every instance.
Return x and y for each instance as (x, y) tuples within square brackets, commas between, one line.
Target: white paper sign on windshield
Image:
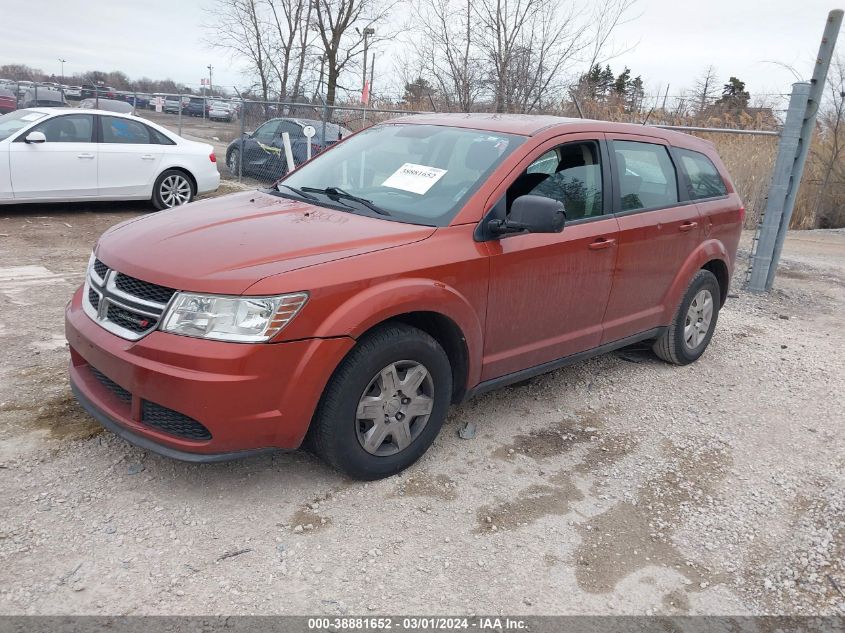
[(414, 178)]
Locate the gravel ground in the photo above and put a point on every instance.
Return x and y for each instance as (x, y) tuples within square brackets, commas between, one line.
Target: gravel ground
[(618, 485)]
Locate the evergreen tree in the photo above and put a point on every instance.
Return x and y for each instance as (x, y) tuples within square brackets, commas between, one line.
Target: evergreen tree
[(622, 82), (635, 94), (734, 95)]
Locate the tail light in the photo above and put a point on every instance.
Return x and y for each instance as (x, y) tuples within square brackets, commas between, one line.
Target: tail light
[(212, 157), (742, 215)]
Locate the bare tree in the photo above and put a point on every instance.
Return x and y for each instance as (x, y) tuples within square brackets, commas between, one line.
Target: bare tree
[(444, 43), (289, 44), (341, 25), (519, 53), (239, 27), (706, 90), (830, 147)]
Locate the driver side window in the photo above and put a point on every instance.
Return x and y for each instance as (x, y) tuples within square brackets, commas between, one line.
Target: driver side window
[(268, 131), (73, 128), (570, 173)]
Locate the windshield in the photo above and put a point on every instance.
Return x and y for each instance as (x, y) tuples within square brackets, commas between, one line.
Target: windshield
[(421, 174), (17, 120)]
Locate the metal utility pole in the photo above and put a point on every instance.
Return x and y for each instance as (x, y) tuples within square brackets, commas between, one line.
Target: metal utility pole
[(210, 68), (367, 32), (789, 165), (62, 79)]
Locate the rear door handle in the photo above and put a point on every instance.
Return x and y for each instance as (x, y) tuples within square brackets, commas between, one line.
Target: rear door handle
[(688, 226), (85, 155), (147, 157), (601, 243)]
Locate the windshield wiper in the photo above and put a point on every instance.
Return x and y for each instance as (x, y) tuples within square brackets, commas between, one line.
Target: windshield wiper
[(298, 192), (338, 193)]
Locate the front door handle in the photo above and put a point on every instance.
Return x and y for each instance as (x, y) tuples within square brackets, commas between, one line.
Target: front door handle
[(688, 226), (601, 243), (85, 155)]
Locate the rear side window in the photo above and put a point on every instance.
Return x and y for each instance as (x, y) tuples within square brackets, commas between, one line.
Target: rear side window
[(74, 128), (120, 130), (647, 178), (158, 137), (704, 178)]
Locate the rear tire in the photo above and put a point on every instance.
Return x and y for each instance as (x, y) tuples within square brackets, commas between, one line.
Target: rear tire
[(172, 188), (694, 322), (374, 419)]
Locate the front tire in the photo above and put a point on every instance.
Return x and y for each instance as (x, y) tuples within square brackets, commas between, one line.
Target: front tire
[(172, 189), (384, 405), (694, 322), (233, 161)]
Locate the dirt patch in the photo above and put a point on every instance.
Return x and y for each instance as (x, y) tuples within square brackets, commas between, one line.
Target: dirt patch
[(60, 417), (606, 451), (426, 485), (555, 440), (530, 504), (633, 535), (676, 601), (305, 520)]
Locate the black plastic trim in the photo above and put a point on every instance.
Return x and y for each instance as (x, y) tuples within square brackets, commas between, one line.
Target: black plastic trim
[(544, 368), (154, 447)]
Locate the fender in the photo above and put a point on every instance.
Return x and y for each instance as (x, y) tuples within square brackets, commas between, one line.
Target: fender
[(706, 251), (384, 301)]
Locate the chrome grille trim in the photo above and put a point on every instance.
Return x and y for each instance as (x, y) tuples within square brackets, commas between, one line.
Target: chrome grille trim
[(108, 294)]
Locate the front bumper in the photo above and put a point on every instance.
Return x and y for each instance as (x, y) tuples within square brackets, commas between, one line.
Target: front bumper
[(247, 396)]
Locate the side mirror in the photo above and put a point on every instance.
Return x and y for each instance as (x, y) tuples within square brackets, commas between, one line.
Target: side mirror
[(35, 137), (534, 214)]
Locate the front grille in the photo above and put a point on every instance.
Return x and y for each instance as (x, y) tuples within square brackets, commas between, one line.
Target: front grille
[(143, 289), (100, 268), (173, 422), (124, 305), (108, 383), (128, 320)]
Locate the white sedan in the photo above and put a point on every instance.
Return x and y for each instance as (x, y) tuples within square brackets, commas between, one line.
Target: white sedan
[(62, 154)]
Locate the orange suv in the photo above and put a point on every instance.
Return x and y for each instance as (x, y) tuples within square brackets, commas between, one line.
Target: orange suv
[(413, 265)]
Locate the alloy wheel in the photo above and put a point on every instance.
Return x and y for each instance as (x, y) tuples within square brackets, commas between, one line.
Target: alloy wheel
[(175, 190), (394, 408), (234, 161)]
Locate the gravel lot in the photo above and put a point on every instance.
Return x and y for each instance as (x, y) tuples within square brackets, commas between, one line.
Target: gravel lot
[(619, 485)]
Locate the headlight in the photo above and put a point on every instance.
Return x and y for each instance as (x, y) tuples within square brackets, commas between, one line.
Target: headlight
[(237, 319)]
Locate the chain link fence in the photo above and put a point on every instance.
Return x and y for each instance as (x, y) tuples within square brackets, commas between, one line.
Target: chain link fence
[(248, 136)]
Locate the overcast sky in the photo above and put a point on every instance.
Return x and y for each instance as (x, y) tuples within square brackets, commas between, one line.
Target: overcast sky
[(671, 40)]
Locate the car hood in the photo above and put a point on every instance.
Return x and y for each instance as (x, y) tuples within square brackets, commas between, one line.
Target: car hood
[(224, 245)]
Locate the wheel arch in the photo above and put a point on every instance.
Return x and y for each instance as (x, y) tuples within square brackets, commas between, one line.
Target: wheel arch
[(720, 270), (450, 337), (182, 169), (710, 255), (433, 307)]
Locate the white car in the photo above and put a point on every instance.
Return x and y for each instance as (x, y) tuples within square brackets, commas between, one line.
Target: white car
[(62, 154)]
